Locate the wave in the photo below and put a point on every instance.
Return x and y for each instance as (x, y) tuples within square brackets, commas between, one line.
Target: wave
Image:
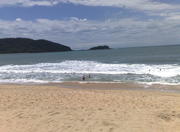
[(94, 68), (23, 81), (73, 70)]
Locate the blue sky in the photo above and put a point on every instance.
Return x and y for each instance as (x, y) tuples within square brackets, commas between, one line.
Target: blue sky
[(85, 23), (60, 11)]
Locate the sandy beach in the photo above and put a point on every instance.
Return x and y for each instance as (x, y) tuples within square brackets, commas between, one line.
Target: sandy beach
[(87, 108)]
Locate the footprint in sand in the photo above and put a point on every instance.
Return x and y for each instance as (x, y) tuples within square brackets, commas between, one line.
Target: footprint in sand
[(111, 129), (178, 115), (168, 116), (54, 113), (111, 126), (165, 117)]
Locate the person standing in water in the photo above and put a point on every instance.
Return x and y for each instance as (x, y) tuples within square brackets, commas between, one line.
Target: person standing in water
[(83, 78), (89, 76)]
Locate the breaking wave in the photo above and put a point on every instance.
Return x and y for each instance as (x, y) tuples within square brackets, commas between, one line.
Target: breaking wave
[(73, 71)]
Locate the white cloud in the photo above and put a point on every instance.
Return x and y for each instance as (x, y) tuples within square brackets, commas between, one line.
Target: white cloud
[(133, 4), (18, 19), (28, 3), (79, 33)]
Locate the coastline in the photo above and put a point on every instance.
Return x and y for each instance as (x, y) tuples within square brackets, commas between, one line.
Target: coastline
[(120, 86), (87, 107), (92, 85)]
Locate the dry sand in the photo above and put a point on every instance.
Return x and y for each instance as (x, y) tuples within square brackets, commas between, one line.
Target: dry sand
[(52, 108)]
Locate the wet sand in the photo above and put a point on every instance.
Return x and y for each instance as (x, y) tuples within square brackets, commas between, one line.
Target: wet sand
[(74, 107)]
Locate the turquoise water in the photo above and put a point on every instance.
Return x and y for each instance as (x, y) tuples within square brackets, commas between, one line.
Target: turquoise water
[(145, 65)]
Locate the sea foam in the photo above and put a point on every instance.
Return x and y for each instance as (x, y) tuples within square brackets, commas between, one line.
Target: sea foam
[(72, 69)]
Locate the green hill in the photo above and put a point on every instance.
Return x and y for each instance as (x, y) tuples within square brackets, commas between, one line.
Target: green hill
[(25, 45), (100, 47)]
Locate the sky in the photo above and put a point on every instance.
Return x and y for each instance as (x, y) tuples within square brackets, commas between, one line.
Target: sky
[(82, 24)]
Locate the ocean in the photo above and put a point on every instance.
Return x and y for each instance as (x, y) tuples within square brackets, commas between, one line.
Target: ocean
[(149, 65)]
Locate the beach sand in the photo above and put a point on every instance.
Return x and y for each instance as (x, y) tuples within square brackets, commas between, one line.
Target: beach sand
[(83, 108)]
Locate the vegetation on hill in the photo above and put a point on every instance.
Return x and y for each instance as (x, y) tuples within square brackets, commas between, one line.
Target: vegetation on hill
[(100, 47), (25, 45)]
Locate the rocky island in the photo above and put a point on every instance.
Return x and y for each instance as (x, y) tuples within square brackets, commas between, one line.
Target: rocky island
[(26, 45), (100, 47)]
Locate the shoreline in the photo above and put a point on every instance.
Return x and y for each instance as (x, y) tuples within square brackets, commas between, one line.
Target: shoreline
[(98, 82), (105, 86)]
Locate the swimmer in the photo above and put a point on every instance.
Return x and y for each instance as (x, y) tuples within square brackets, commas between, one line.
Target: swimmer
[(83, 78), (89, 76)]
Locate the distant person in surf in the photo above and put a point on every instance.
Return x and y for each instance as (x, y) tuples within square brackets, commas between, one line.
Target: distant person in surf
[(89, 76), (83, 78)]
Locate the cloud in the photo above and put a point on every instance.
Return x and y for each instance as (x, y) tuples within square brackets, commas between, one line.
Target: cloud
[(83, 33), (133, 4), (18, 19), (27, 3)]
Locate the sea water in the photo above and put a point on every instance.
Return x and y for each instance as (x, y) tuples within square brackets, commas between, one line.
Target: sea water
[(150, 65)]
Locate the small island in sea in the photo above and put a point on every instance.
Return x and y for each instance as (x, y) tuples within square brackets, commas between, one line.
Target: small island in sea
[(26, 45), (100, 47)]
